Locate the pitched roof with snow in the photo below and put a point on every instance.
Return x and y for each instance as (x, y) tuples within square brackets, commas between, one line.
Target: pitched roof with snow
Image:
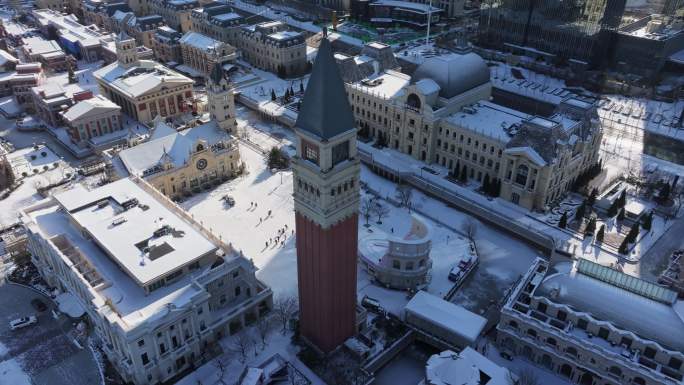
[(325, 110), (465, 368), (446, 315), (93, 106), (169, 145), (140, 79), (200, 41)]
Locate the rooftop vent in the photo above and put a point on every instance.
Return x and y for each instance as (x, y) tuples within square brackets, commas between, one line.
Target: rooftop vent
[(118, 221), (164, 230), (144, 207), (102, 204), (129, 204)]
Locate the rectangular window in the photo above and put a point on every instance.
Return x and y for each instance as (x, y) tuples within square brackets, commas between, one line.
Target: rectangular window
[(145, 359)]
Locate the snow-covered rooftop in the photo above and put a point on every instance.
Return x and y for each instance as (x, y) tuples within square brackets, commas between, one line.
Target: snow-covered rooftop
[(388, 84), (127, 234), (167, 144), (489, 119), (464, 368), (446, 315), (625, 309), (200, 41), (96, 104), (137, 80)]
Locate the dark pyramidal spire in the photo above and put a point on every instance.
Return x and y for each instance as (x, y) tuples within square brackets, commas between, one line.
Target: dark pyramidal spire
[(325, 110), (216, 74)]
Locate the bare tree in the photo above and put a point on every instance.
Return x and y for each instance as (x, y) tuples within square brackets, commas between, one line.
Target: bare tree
[(283, 308), (527, 376), (221, 372), (241, 344), (263, 325), (469, 227), (367, 208), (381, 211), (404, 194)]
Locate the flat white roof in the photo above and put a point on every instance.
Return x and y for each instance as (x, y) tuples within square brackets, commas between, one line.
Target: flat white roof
[(127, 235), (388, 84), (144, 77), (488, 119), (446, 315), (199, 41)]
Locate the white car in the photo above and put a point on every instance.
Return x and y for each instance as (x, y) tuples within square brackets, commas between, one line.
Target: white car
[(23, 322)]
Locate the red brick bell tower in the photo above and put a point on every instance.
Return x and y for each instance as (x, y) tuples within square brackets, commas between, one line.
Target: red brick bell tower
[(326, 194)]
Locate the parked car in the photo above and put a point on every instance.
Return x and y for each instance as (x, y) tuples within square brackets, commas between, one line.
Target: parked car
[(461, 270), (39, 305), (371, 304), (23, 322)]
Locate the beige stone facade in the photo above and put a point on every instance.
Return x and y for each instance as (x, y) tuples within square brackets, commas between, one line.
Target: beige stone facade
[(176, 14), (272, 47), (166, 45), (152, 90), (195, 158), (201, 52), (449, 121), (217, 21)]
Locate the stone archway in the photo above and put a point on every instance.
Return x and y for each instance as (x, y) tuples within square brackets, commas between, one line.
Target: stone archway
[(566, 371), (587, 379)]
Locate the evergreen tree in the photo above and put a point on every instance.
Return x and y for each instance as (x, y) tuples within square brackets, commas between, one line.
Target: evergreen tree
[(563, 222), (613, 209), (622, 199), (486, 186), (633, 233), (464, 174), (273, 95), (291, 91), (621, 215), (664, 193), (647, 222), (592, 197), (581, 210), (497, 191), (601, 233), (454, 172), (281, 72), (591, 227), (623, 247), (301, 86)]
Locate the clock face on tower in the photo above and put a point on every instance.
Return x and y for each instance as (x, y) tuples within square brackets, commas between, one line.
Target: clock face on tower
[(201, 164)]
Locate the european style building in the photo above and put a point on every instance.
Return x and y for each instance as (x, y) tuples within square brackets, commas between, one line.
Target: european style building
[(271, 46), (143, 88), (594, 325), (442, 115), (158, 289), (178, 163)]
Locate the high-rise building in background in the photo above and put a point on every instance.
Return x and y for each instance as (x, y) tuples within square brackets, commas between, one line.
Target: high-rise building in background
[(326, 196), (556, 30)]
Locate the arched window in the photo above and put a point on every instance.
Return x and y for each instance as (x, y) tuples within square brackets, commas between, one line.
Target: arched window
[(521, 174), (614, 370), (513, 324), (638, 381), (532, 333), (571, 351), (200, 147), (413, 101), (551, 341)]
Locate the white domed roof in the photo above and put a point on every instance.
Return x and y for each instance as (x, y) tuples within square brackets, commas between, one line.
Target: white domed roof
[(455, 73)]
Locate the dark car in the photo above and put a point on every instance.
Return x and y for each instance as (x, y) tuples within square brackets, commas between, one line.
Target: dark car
[(39, 305)]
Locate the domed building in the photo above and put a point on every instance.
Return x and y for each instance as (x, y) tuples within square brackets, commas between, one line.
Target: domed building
[(454, 73), (443, 116)]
